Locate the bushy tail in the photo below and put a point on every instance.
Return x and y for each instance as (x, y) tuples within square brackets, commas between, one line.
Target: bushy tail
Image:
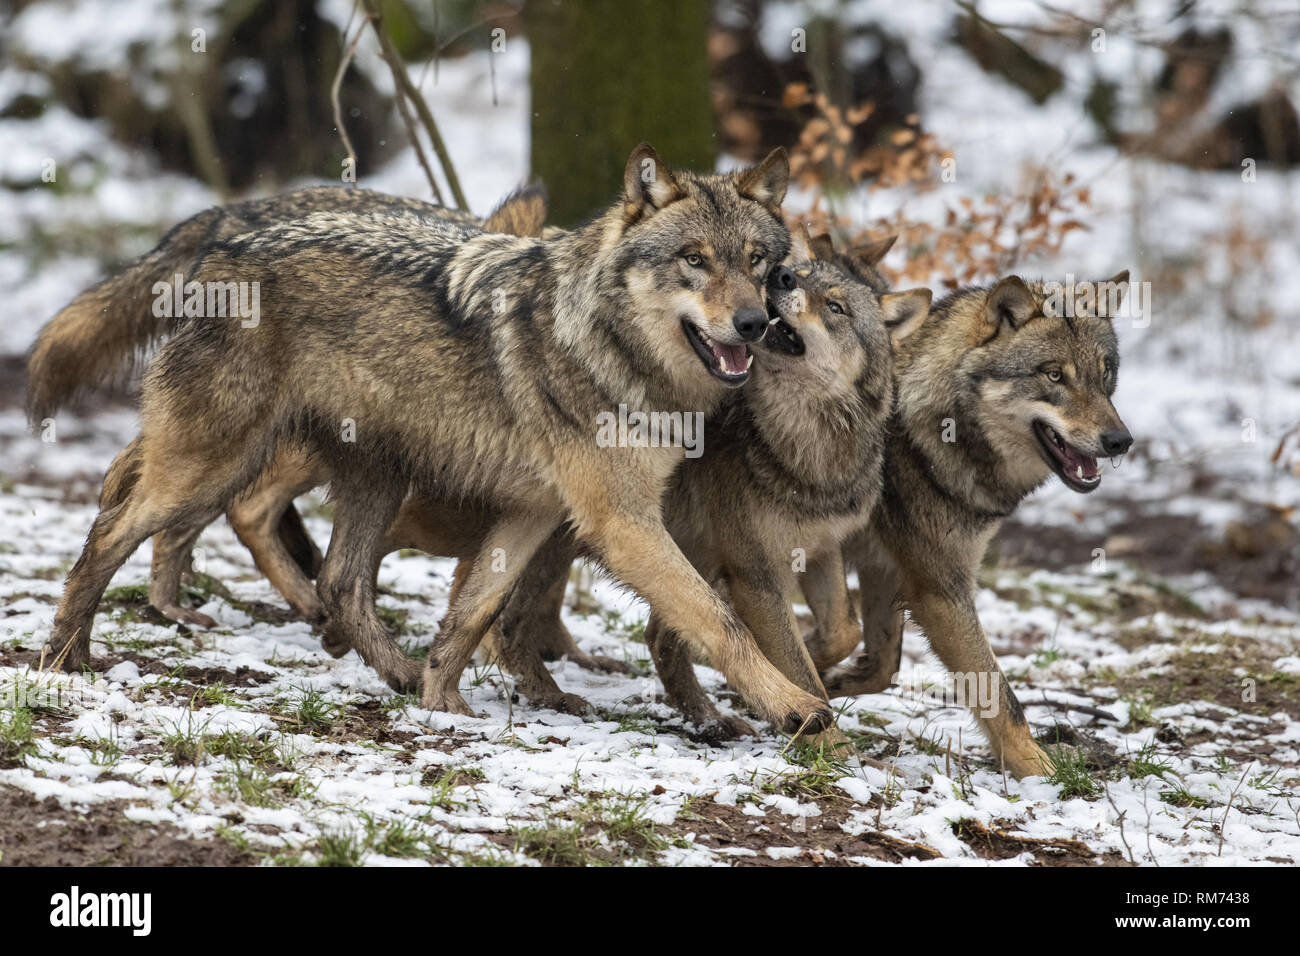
[(98, 337), (522, 213)]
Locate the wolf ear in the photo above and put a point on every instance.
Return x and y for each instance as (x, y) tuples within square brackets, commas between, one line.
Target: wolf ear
[(766, 183), (522, 213), (648, 183), (800, 244), (822, 247), (872, 252), (905, 311), (1010, 302), (1119, 281)]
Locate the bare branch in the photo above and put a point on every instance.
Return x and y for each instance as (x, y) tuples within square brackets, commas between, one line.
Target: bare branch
[(405, 87)]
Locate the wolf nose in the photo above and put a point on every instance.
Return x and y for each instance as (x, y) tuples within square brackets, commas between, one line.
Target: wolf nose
[(1116, 442), (750, 324), (782, 277)]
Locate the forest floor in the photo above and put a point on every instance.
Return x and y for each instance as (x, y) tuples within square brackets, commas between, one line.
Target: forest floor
[(247, 744)]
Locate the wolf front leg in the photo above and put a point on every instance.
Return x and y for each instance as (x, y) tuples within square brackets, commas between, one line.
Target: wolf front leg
[(875, 666), (952, 627), (502, 558), (638, 550), (759, 590)]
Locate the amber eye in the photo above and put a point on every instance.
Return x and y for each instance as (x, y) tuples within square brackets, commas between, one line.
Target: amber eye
[(1053, 374), (694, 260), (755, 258), (835, 307)]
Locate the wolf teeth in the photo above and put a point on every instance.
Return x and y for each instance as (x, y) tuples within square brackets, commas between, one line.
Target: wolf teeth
[(749, 363)]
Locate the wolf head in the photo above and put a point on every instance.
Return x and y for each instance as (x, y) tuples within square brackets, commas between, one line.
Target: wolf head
[(833, 322), (1032, 385), (693, 252)]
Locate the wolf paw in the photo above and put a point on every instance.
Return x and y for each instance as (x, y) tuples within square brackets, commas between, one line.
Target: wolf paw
[(722, 728), (184, 615), (599, 662), (563, 703), (74, 661), (447, 701), (335, 646), (812, 721)]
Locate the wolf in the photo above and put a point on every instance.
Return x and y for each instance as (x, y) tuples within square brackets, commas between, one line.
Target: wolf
[(792, 465), (101, 334), (795, 466), (996, 393), (415, 352)]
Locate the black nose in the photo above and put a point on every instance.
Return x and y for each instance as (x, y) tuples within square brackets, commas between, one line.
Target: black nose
[(1116, 442), (750, 323), (781, 277)]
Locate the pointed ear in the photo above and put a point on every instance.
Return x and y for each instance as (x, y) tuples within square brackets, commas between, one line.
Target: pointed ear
[(904, 312), (648, 183), (822, 247), (1119, 283), (766, 183), (1010, 302), (800, 244), (872, 252)]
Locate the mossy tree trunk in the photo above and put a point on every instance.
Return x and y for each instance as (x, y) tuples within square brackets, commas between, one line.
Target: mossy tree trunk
[(606, 76)]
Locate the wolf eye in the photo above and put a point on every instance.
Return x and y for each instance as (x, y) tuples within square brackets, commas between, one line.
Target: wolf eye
[(835, 307), (755, 258), (1053, 374), (694, 260)]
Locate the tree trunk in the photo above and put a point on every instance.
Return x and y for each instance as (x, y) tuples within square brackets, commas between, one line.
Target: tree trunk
[(607, 76)]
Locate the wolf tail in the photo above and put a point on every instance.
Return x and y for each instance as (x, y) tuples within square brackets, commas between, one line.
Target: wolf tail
[(98, 337), (522, 213)]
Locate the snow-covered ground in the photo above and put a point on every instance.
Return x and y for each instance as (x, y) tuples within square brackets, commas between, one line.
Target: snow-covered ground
[(1188, 670)]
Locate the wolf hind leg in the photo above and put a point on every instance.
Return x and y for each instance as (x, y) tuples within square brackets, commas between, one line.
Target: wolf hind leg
[(827, 592), (157, 482), (260, 516), (672, 658), (365, 503), (172, 548), (874, 668)]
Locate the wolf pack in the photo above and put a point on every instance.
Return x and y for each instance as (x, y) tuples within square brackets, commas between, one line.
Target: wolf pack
[(451, 380)]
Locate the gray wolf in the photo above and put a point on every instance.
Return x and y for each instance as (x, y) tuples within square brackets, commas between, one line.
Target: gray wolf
[(996, 393), (794, 466), (102, 333)]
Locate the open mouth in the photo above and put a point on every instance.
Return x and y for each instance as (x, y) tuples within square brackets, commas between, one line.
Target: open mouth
[(725, 362), (1077, 470), (781, 336)]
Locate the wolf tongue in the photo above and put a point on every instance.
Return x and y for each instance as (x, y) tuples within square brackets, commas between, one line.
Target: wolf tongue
[(1080, 465), (731, 357)]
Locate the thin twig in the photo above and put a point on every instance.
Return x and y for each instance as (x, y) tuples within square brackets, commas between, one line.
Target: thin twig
[(1119, 818), (1223, 825), (405, 109), (405, 87), (348, 55), (1066, 706)]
